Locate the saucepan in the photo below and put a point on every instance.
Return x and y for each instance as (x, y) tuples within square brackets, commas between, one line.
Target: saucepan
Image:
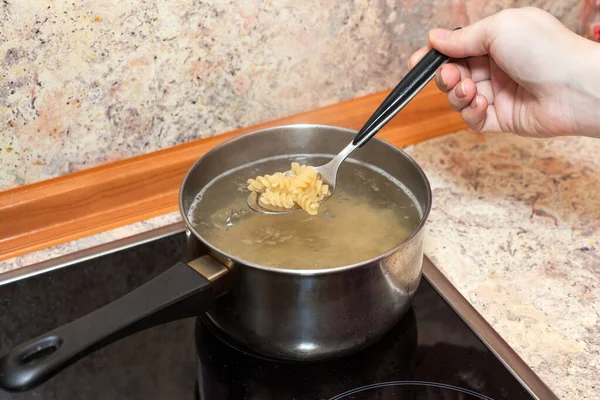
[(300, 315)]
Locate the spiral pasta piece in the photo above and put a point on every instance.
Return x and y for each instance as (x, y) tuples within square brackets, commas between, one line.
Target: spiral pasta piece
[(262, 183), (301, 186), (319, 187), (302, 182), (279, 199), (308, 202)]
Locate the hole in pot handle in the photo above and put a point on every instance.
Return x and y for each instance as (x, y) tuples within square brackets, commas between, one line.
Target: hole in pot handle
[(182, 291)]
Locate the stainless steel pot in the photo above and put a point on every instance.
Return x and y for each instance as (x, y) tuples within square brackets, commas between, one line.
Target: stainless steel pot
[(287, 314)]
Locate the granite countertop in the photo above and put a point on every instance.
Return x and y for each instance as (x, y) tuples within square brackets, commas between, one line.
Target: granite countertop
[(515, 226)]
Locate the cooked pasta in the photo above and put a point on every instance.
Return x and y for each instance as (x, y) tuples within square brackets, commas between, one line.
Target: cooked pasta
[(383, 209), (308, 202), (302, 186), (275, 181), (320, 188), (278, 199)]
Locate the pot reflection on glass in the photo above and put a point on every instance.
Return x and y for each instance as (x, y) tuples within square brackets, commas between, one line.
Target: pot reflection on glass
[(229, 372), (293, 314)]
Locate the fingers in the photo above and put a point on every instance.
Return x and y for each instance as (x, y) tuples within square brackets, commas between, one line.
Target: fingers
[(472, 40), (468, 85), (450, 74), (475, 114), (479, 68), (462, 95), (485, 89), (447, 78), (480, 116)]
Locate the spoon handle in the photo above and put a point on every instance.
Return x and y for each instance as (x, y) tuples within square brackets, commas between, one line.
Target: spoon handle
[(408, 87)]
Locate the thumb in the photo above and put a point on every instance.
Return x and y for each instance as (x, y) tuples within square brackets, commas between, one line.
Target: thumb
[(470, 41)]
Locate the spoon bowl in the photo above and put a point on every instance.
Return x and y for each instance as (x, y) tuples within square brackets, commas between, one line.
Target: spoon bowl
[(327, 173), (254, 204), (402, 94)]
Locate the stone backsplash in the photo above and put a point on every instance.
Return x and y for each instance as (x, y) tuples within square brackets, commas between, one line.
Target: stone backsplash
[(89, 82)]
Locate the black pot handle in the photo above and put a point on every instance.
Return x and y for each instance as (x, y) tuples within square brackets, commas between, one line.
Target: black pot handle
[(180, 292)]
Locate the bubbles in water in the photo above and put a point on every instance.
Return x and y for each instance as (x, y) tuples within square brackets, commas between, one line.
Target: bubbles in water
[(329, 215), (368, 214), (270, 236), (227, 217), (234, 217)]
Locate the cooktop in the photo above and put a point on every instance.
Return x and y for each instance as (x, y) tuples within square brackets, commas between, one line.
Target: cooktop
[(441, 349)]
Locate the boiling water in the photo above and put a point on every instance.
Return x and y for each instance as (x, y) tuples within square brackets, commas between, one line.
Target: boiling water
[(368, 214)]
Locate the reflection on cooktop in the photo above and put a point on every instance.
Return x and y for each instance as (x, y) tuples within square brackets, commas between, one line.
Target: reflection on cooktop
[(429, 354)]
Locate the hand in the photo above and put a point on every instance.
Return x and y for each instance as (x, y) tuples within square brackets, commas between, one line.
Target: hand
[(521, 71)]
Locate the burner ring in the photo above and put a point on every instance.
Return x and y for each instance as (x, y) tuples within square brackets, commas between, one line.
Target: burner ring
[(410, 383)]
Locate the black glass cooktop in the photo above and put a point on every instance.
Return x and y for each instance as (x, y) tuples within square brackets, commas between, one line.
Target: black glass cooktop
[(430, 354)]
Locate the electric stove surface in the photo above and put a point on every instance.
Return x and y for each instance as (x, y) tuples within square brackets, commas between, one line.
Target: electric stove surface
[(430, 354)]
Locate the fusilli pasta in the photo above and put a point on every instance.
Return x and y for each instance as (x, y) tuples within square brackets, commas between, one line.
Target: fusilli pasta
[(278, 199), (301, 186), (275, 181)]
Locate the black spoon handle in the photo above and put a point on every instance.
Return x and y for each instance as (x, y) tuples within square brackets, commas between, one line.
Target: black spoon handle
[(402, 94)]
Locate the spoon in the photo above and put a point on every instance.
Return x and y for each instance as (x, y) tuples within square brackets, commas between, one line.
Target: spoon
[(403, 93)]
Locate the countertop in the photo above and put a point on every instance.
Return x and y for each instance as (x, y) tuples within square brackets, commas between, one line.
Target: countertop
[(515, 226)]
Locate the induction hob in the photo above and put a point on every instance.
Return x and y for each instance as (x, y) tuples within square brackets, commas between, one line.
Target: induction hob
[(441, 349)]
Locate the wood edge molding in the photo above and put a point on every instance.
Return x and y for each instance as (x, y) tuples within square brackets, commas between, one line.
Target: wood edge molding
[(72, 206)]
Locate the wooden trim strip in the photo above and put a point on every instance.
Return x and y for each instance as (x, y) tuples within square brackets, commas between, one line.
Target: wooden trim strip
[(97, 199)]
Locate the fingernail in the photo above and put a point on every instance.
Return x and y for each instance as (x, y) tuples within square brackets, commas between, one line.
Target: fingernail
[(476, 101), (439, 33), (460, 90), (443, 77)]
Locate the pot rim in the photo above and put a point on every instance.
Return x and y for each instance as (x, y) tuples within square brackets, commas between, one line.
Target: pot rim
[(308, 272)]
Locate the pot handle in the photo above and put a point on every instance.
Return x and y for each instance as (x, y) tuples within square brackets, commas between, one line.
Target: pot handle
[(180, 292)]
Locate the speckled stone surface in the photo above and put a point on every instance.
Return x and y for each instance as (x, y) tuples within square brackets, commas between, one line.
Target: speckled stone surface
[(85, 83), (515, 226)]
